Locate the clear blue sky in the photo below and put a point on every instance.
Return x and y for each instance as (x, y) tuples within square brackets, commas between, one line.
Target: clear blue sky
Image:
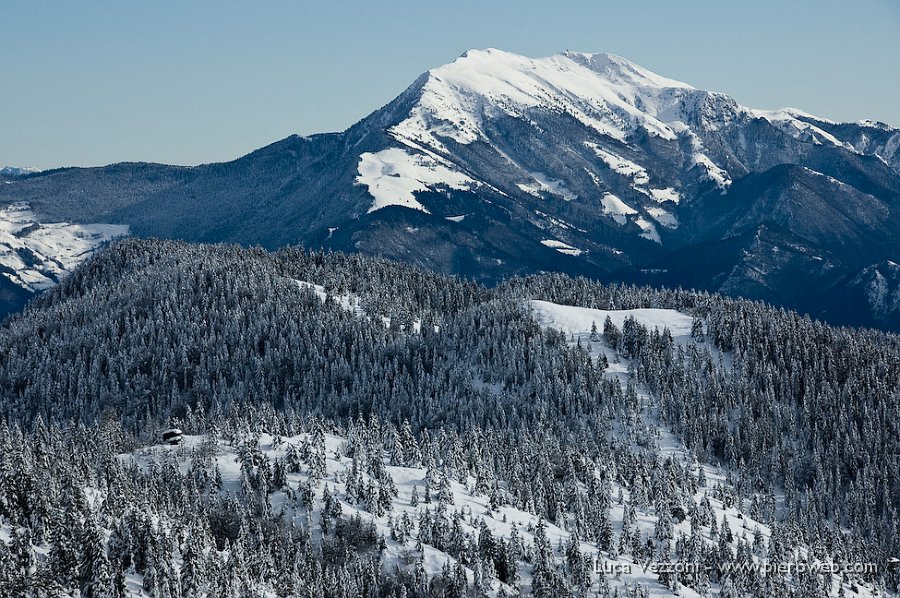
[(88, 83)]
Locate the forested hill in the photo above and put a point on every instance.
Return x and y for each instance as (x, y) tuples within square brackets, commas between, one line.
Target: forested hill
[(402, 433)]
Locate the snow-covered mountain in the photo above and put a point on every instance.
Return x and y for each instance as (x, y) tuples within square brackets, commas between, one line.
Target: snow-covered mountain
[(498, 164), (13, 172)]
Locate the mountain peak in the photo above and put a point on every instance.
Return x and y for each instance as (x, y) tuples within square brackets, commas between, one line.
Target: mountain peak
[(615, 69), (605, 92)]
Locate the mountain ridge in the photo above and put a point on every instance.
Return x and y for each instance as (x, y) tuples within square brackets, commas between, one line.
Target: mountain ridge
[(582, 163)]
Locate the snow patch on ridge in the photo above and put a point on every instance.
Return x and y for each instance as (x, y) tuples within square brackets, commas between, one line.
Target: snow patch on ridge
[(711, 171), (663, 217), (626, 168), (543, 184), (786, 119), (561, 247), (394, 175), (717, 175), (649, 229), (639, 175), (616, 208), (667, 194)]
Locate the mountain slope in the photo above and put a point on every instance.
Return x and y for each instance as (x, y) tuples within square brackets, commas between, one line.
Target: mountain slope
[(497, 164)]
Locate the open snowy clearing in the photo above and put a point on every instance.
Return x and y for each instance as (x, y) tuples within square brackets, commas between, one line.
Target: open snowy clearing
[(577, 320)]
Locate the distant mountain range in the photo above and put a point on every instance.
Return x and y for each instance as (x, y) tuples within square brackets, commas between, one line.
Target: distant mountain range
[(498, 165), (15, 172)]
